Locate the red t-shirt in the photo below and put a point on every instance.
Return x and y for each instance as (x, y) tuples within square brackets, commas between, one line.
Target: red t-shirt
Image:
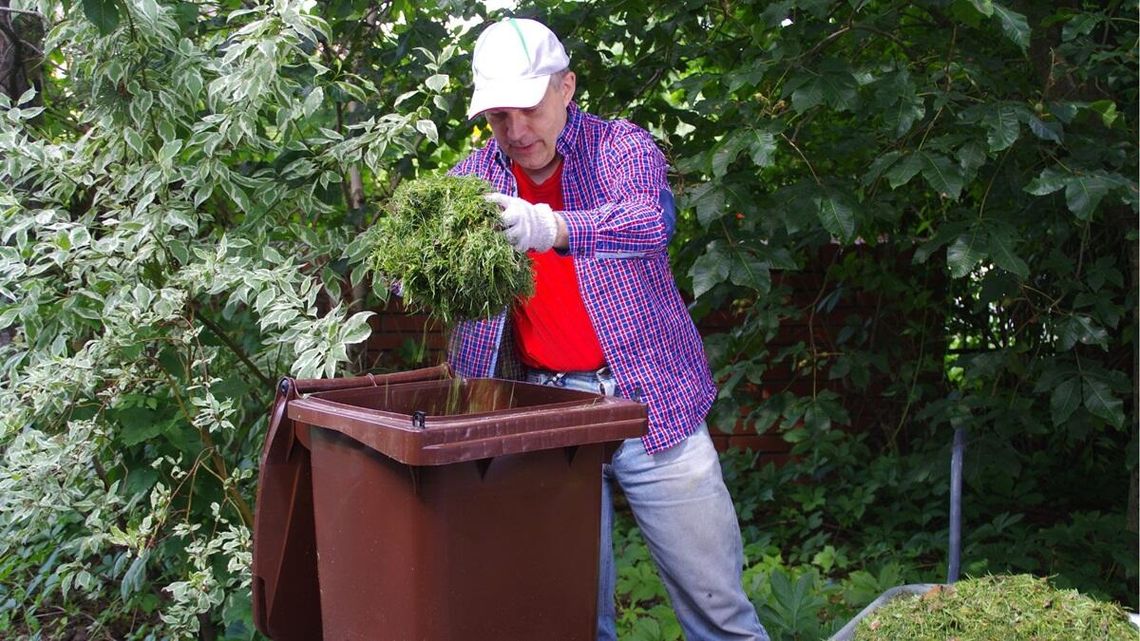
[(552, 329)]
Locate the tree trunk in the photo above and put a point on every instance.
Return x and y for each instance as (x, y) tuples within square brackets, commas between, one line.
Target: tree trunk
[(21, 42)]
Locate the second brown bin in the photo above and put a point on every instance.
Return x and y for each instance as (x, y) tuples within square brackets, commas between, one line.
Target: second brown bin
[(433, 509)]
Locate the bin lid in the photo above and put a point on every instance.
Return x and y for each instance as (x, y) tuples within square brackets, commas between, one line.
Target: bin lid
[(286, 592), (444, 421)]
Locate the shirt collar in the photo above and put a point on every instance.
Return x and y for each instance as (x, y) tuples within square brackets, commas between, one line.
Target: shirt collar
[(569, 135)]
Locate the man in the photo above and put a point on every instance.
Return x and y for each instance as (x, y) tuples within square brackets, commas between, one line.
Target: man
[(588, 200)]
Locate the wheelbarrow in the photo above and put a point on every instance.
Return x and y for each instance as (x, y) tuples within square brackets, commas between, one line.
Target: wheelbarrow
[(847, 632)]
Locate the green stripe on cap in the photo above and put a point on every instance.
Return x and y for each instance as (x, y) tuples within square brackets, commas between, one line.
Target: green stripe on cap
[(522, 40)]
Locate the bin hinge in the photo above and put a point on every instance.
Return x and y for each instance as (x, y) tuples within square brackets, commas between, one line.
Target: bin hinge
[(419, 419)]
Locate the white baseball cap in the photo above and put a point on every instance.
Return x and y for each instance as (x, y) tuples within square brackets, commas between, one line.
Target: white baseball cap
[(512, 63)]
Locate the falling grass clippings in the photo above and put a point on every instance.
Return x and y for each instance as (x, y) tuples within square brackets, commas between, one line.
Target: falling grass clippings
[(1009, 608), (440, 239)]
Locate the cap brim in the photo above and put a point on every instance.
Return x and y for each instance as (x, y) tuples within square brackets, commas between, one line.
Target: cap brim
[(511, 94)]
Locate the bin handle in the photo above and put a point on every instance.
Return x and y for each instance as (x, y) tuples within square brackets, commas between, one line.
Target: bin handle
[(286, 391), (306, 385)]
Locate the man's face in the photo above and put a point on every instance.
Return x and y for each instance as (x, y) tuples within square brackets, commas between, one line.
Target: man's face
[(528, 135)]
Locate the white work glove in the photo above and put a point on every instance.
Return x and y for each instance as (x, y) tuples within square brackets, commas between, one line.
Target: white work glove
[(526, 226)]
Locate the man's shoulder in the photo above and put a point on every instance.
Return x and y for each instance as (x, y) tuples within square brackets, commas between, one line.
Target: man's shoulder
[(614, 131), (480, 161)]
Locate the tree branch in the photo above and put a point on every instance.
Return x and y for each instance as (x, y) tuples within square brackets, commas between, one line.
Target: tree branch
[(233, 346)]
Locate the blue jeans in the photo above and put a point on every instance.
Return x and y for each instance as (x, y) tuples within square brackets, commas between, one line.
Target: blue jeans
[(686, 515)]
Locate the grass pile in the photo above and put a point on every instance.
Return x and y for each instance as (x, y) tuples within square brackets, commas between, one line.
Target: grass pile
[(1011, 608), (440, 239)]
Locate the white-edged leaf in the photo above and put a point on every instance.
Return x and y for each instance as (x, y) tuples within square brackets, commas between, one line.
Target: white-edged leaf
[(356, 328), (427, 128), (438, 82), (313, 101)]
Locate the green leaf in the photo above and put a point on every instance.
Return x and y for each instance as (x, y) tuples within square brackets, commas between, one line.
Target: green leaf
[(726, 153), (1051, 131), (1079, 328), (1013, 25), (1101, 402), (965, 253), (1065, 111), (708, 271), (941, 174), (1003, 125), (104, 14), (902, 116), (831, 82), (1080, 24), (750, 271), (139, 424), (135, 576), (26, 97), (901, 172), (709, 202), (837, 213), (169, 151), (148, 10), (1084, 193), (1049, 181), (807, 96), (762, 147), (1000, 245), (1065, 400), (1107, 111), (881, 164), (971, 156), (984, 7)]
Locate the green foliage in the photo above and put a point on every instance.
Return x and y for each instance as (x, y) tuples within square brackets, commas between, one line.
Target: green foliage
[(441, 241), (174, 217), (177, 201), (961, 175)]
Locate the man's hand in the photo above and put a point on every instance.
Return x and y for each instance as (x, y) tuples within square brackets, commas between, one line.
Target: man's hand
[(526, 226)]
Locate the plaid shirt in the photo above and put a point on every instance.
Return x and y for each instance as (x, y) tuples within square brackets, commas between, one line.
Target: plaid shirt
[(620, 215)]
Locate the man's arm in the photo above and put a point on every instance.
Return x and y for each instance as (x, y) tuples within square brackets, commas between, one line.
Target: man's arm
[(630, 204)]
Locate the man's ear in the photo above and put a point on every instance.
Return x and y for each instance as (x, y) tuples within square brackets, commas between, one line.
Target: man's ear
[(568, 85)]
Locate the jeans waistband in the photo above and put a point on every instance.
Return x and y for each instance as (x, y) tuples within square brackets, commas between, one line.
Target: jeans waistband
[(600, 380)]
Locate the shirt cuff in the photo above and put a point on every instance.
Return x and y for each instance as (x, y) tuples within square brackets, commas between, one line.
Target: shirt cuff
[(581, 233)]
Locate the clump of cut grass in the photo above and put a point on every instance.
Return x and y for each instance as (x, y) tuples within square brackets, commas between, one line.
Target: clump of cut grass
[(440, 239), (1011, 608)]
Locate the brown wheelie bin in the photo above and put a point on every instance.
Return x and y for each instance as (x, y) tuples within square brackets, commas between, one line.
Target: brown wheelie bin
[(422, 507)]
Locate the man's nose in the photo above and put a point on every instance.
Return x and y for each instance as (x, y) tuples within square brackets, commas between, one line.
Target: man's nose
[(515, 124)]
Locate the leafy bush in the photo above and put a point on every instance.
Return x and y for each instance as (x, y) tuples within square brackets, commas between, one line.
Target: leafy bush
[(174, 213)]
